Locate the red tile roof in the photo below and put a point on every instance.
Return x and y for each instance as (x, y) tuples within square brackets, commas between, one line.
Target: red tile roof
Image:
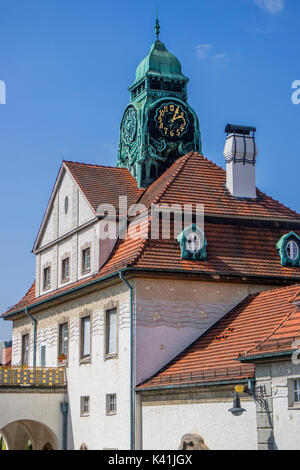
[(104, 184), (213, 357), (234, 248), (193, 179)]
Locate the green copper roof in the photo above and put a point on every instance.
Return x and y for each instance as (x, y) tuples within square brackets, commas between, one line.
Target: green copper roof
[(160, 62)]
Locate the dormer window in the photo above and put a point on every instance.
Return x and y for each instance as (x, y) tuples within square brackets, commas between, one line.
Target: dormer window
[(47, 278), (292, 250), (86, 260), (192, 243), (289, 249)]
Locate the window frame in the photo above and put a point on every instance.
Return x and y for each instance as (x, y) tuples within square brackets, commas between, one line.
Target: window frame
[(24, 335), (48, 286), (63, 278), (84, 413), (60, 337), (84, 250), (292, 404), (109, 396), (85, 359), (114, 355)]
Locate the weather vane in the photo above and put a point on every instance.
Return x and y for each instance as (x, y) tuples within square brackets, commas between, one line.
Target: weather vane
[(157, 26)]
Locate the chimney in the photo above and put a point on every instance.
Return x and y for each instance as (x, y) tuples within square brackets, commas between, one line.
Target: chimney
[(240, 153)]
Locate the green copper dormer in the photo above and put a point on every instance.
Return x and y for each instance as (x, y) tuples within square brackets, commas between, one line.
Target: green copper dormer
[(158, 125)]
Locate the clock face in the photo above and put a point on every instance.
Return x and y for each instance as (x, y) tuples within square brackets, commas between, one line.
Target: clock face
[(129, 125), (171, 120)]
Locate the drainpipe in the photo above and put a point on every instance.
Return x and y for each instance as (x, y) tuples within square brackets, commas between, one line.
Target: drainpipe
[(34, 321), (132, 393), (65, 409)]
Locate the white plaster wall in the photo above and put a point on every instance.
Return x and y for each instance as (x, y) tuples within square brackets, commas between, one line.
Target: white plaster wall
[(65, 220), (171, 314), (94, 379), (60, 224), (41, 407), (85, 212), (163, 426), (286, 419)]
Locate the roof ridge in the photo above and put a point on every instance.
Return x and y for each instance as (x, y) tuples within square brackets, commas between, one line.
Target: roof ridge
[(20, 301), (273, 291), (95, 165), (142, 246), (277, 201), (172, 177), (281, 323)]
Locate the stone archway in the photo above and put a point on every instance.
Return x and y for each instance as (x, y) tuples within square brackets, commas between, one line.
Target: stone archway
[(18, 434)]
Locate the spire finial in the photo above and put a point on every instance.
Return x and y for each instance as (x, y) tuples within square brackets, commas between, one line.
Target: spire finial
[(157, 26)]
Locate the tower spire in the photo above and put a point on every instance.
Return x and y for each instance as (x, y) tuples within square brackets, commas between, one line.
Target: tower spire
[(157, 25)]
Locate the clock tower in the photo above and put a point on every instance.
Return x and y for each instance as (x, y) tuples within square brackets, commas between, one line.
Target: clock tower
[(158, 125)]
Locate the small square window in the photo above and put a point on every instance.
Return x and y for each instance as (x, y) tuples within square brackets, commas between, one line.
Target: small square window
[(47, 278), (65, 269), (84, 406), (111, 404), (86, 260)]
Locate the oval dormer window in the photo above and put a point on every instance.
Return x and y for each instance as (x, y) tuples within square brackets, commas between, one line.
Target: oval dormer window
[(193, 242), (66, 204), (292, 250)]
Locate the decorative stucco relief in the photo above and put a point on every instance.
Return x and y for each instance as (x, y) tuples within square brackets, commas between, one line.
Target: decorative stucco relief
[(183, 314)]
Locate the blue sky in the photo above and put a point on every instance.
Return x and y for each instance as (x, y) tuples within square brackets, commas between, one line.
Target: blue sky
[(67, 65)]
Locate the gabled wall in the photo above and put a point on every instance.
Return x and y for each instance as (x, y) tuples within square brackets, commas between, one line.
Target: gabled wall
[(54, 244), (171, 314)]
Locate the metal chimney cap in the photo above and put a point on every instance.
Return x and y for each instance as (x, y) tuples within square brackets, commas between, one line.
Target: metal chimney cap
[(237, 129)]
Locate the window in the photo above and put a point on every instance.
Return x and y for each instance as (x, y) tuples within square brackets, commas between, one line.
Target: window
[(111, 404), (297, 391), (63, 342), (65, 269), (84, 406), (193, 243), (43, 356), (66, 204), (292, 249), (47, 278), (111, 332), (25, 350), (85, 337), (86, 260)]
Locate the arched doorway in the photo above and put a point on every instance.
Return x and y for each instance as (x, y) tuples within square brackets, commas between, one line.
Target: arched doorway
[(29, 435)]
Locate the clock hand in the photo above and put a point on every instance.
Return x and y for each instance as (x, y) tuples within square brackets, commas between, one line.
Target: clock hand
[(175, 114)]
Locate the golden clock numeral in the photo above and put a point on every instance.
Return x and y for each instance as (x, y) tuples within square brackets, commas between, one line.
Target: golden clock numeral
[(178, 132), (161, 126), (172, 134), (182, 127), (166, 109), (166, 131), (172, 107)]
